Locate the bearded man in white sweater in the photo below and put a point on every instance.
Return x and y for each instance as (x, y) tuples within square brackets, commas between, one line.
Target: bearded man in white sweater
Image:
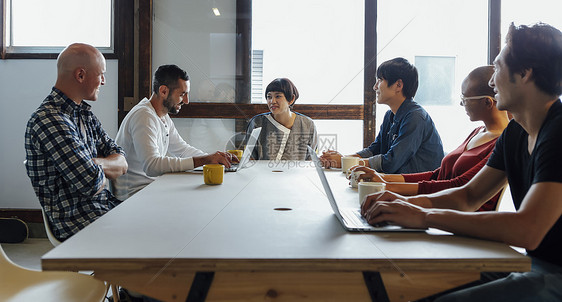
[(151, 142)]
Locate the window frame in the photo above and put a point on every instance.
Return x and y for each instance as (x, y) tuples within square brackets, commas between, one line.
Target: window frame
[(133, 49), (48, 52), (242, 108)]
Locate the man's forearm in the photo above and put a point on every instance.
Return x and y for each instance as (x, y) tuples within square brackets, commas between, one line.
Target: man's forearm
[(403, 188), (393, 177), (200, 161), (113, 165), (454, 198)]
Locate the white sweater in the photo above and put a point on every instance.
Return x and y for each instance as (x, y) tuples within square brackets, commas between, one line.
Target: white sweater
[(153, 147)]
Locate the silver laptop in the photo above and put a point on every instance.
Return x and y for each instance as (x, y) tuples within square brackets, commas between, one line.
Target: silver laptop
[(247, 152), (350, 218), (243, 163)]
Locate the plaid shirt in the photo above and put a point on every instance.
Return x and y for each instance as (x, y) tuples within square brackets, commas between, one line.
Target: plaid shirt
[(61, 140)]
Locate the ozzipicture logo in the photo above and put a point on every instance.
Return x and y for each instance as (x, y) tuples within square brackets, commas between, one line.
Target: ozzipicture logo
[(238, 142), (290, 164), (327, 142)]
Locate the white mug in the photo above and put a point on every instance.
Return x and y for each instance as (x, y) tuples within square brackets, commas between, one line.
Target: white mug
[(354, 180), (348, 162), (366, 188)]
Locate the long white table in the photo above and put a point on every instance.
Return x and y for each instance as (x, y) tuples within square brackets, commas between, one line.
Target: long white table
[(267, 232)]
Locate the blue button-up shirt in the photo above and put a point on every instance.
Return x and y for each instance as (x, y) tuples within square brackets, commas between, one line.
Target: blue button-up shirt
[(61, 140), (407, 142)]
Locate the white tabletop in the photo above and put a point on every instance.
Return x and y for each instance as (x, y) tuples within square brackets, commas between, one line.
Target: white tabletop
[(236, 224)]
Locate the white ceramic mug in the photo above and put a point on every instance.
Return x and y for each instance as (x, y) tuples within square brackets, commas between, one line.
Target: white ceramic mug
[(348, 162), (354, 180), (366, 188)]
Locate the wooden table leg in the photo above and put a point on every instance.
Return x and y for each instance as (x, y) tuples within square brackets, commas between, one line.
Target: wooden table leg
[(375, 286), (200, 286)]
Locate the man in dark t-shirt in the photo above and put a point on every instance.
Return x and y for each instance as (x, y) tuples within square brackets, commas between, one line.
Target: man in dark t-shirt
[(527, 81), (523, 170)]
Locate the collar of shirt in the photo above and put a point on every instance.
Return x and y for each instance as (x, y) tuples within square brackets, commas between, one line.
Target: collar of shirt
[(402, 110), (67, 105), (552, 110)]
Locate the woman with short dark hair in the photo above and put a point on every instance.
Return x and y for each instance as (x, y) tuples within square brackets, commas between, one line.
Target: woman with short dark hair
[(285, 134)]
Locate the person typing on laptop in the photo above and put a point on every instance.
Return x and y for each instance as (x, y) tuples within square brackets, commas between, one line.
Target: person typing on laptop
[(151, 142), (528, 83)]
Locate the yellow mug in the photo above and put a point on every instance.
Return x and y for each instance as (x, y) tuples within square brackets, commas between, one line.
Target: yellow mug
[(238, 153), (213, 174)]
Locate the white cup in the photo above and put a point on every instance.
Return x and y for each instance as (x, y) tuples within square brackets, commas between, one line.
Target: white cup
[(348, 162), (366, 188), (354, 180)]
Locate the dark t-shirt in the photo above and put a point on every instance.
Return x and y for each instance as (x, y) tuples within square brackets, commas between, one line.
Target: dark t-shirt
[(544, 164)]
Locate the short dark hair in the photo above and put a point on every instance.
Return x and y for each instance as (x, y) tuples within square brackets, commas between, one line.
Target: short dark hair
[(168, 75), (283, 85), (538, 47), (400, 69)]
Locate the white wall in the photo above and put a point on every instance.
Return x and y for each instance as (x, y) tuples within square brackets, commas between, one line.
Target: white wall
[(23, 86)]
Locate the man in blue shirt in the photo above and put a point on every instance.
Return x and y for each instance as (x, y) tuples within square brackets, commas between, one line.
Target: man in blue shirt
[(407, 141)]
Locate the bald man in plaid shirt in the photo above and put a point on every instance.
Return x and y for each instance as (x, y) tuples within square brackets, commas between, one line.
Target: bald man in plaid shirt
[(69, 156)]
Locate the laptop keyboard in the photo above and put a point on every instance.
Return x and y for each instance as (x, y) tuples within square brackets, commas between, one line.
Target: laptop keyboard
[(354, 217), (233, 168)]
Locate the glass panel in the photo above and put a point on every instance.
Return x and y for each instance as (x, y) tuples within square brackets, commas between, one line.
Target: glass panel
[(7, 25), (209, 135), (345, 136), (190, 35), (527, 13), (434, 36), (318, 44), (34, 22)]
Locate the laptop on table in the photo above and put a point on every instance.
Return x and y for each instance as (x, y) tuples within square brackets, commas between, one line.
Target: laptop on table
[(245, 156), (247, 152), (350, 218)]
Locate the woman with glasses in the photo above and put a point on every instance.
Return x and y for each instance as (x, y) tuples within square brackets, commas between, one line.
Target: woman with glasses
[(459, 166)]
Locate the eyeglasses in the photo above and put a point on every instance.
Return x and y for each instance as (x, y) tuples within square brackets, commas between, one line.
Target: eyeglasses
[(464, 98)]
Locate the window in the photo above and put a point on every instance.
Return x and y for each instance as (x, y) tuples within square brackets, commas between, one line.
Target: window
[(190, 35), (527, 13), (318, 44), (46, 26), (440, 90), (257, 76), (327, 69), (445, 39), (465, 34)]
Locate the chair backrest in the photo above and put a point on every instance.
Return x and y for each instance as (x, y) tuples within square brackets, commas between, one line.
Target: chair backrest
[(3, 258), (54, 241), (23, 284), (506, 187), (6, 265)]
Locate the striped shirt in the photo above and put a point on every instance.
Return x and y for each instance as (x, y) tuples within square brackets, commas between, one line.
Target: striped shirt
[(61, 140)]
